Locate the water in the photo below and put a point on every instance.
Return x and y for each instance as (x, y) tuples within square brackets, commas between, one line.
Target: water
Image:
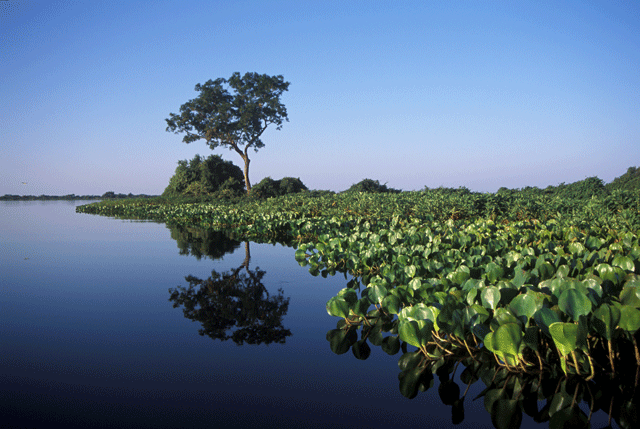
[(90, 338)]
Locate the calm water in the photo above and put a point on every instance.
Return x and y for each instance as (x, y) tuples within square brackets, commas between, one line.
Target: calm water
[(89, 336)]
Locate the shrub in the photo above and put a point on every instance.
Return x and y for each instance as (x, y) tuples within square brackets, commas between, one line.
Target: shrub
[(370, 185), (205, 177), (268, 187)]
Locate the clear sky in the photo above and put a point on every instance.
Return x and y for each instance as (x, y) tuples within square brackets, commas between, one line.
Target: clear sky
[(481, 94)]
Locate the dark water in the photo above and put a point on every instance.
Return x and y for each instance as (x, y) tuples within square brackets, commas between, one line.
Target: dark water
[(90, 338)]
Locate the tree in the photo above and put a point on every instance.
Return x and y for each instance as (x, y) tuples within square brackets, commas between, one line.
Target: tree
[(236, 119), (205, 176)]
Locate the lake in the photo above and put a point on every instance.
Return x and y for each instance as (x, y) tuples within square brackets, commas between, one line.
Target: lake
[(90, 337)]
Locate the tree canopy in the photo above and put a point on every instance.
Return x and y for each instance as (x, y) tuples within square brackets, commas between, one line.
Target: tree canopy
[(232, 113), (208, 176)]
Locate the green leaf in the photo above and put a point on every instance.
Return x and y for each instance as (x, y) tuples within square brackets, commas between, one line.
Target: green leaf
[(546, 271), (340, 340), (544, 318), (630, 295), (629, 318), (410, 360), (493, 272), (571, 417), (565, 336), (410, 271), (361, 307), (415, 332), (624, 262), (507, 339), (490, 297), (409, 381), (574, 303), (460, 276), (491, 396), (605, 320), (377, 293), (301, 255), (524, 307), (391, 345), (338, 307), (560, 401), (391, 304), (361, 349), (607, 272)]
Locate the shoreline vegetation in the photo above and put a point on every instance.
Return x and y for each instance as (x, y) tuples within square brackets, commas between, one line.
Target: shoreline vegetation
[(535, 291), (71, 197)]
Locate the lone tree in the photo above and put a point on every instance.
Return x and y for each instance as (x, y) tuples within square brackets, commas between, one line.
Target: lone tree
[(236, 119)]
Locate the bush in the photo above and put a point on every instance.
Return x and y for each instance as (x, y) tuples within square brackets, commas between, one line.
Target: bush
[(201, 177), (268, 187), (370, 185), (629, 180)]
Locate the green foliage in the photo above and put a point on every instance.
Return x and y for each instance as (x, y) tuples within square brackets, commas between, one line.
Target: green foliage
[(268, 188), (629, 180), (205, 177), (519, 286), (372, 186), (232, 113), (520, 278), (587, 188)]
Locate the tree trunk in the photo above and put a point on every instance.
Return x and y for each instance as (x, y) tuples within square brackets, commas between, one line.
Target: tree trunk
[(246, 173)]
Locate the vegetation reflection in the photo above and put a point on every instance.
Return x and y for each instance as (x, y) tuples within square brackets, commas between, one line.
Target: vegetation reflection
[(233, 305), (547, 395), (202, 243)]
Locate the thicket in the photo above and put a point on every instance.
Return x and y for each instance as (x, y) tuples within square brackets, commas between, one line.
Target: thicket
[(269, 188), (629, 180), (371, 186), (206, 177)]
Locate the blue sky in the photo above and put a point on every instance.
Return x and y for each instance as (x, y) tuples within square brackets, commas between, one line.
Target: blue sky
[(481, 94)]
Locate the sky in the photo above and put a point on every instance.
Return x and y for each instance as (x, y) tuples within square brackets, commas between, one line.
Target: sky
[(414, 94)]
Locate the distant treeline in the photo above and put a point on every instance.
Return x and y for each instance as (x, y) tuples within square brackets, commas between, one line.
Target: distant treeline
[(106, 196), (195, 188)]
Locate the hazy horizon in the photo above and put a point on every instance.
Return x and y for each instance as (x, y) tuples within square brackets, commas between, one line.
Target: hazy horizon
[(413, 94)]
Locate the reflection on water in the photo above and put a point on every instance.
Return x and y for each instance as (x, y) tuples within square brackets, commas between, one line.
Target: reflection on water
[(233, 305), (202, 243)]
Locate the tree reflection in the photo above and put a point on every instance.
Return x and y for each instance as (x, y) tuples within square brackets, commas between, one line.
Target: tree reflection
[(234, 305), (202, 243)]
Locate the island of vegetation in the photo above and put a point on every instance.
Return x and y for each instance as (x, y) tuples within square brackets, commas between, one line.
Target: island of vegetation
[(535, 291)]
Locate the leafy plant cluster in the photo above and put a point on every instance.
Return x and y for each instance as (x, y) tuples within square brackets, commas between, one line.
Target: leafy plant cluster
[(269, 188), (537, 284), (473, 271), (532, 294), (211, 176), (260, 219)]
